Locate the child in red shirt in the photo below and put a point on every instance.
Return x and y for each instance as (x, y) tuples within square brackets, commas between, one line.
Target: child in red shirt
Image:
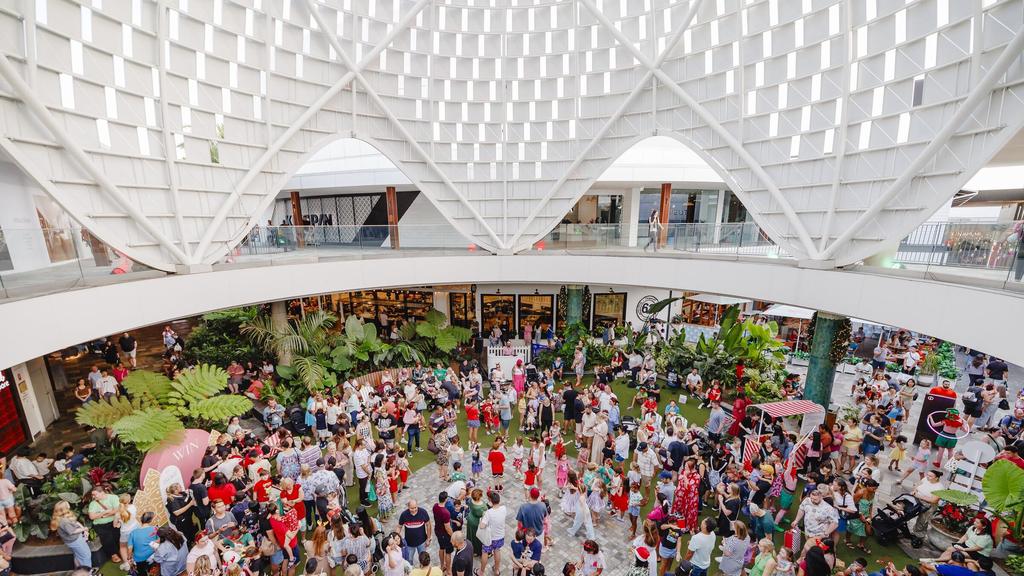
[(530, 478), (497, 459)]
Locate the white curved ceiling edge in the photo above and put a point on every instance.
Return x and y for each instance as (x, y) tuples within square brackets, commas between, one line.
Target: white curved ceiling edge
[(44, 324), (759, 116)]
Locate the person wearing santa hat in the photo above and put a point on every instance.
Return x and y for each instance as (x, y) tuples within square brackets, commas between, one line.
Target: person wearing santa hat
[(641, 562)]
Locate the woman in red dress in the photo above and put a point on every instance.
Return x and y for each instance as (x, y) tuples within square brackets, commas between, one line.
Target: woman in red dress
[(739, 412), (685, 503)]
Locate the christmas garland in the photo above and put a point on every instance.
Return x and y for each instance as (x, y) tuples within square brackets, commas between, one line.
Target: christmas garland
[(585, 316), (563, 303), (840, 343)]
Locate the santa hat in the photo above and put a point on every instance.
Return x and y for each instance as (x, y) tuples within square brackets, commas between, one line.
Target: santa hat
[(642, 553)]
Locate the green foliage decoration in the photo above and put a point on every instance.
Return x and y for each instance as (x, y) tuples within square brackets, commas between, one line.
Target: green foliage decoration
[(1003, 486), (958, 497), (157, 415), (215, 340)]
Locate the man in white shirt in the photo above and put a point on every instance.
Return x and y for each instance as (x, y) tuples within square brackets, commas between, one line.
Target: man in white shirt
[(635, 362), (647, 460), (493, 522), (94, 378), (361, 465), (694, 382), (107, 385), (699, 550), (820, 518), (622, 446), (925, 493), (910, 360)]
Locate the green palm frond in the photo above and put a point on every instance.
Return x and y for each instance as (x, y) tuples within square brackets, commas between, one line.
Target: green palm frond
[(260, 331), (220, 408), (310, 371), (142, 382), (427, 330), (194, 385), (106, 412), (148, 427)]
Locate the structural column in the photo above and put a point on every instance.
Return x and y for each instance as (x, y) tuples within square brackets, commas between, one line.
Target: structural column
[(573, 305), (664, 208), (279, 321), (822, 371), (300, 239), (392, 201), (630, 215)]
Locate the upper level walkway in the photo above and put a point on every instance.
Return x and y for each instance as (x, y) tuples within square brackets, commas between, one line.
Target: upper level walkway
[(976, 254), (279, 264)]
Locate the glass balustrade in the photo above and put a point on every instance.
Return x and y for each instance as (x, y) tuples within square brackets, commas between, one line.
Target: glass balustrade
[(35, 262)]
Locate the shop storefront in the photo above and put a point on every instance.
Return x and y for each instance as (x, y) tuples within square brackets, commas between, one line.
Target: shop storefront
[(536, 310), (463, 309), (609, 308), (498, 310), (13, 427), (378, 305)]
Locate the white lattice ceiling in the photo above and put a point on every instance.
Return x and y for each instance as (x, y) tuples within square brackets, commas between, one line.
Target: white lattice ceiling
[(840, 124)]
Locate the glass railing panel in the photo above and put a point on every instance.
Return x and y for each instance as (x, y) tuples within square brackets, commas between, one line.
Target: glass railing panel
[(36, 261)]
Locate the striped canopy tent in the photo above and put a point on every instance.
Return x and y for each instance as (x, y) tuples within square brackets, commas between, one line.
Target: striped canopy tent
[(783, 409), (789, 408)]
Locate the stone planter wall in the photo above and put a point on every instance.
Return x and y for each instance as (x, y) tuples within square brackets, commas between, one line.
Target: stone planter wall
[(48, 558)]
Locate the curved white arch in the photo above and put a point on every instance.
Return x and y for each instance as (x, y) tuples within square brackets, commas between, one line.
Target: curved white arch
[(284, 178), (710, 160), (145, 302)]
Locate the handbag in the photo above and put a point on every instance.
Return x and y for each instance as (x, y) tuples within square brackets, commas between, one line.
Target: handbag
[(432, 446), (1004, 404), (483, 534), (373, 493)]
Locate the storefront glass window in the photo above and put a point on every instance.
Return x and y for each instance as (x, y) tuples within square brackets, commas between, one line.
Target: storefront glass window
[(609, 308), (534, 310), (498, 310)]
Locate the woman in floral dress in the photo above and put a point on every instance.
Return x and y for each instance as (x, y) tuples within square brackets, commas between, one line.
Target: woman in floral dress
[(687, 494), (380, 479)]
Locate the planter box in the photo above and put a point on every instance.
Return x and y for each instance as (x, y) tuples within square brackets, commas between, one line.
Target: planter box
[(940, 537), (47, 558)]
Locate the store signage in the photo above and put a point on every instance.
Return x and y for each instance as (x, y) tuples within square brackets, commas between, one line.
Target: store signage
[(643, 307), (313, 220)]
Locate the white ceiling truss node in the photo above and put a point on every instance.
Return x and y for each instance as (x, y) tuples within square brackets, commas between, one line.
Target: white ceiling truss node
[(168, 128)]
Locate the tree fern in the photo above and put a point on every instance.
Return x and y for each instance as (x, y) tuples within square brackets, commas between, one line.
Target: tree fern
[(194, 385), (149, 427), (141, 383), (220, 408), (108, 411)]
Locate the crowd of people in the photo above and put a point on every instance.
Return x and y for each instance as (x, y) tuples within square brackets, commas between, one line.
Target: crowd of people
[(275, 499)]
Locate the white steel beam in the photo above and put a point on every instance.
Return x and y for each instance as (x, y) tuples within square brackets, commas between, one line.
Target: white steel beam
[(735, 145), (46, 118), (343, 56), (306, 116), (981, 90), (581, 156), (844, 121), (170, 151), (48, 186)]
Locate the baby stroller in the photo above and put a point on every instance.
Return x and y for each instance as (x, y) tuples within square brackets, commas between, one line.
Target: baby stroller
[(532, 375), (891, 521), (297, 421)]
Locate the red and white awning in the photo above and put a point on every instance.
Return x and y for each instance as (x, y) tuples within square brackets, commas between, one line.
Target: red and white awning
[(789, 408)]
